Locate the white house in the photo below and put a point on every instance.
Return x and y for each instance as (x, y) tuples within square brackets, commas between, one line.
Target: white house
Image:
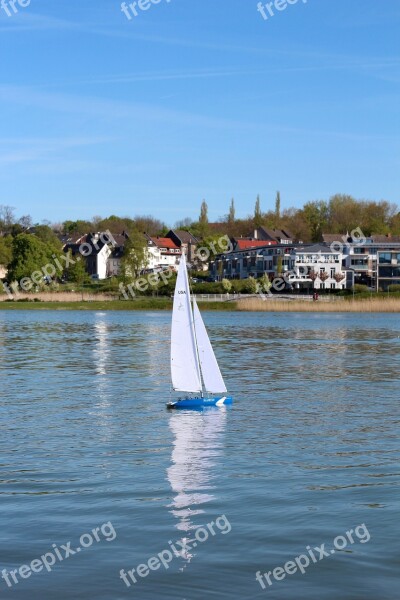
[(162, 253), (318, 266)]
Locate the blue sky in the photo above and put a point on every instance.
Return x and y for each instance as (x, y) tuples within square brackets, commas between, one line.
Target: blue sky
[(196, 99)]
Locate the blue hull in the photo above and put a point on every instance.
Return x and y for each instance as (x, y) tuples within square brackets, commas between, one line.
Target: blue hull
[(201, 402)]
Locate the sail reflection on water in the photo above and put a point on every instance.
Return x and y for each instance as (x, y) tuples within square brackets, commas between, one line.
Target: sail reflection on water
[(198, 446)]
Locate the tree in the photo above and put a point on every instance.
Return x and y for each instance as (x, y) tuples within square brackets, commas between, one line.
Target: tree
[(77, 227), (264, 283), (47, 236), (183, 223), (5, 250), (231, 215), (25, 221), (227, 285), (148, 224), (29, 254), (135, 256), (257, 213), (316, 214), (279, 265), (251, 286), (7, 217), (77, 271), (203, 219), (278, 206)]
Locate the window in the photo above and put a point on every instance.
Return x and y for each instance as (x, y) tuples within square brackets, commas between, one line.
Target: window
[(385, 258), (333, 271)]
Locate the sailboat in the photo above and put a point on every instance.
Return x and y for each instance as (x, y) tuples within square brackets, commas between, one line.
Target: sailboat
[(194, 368)]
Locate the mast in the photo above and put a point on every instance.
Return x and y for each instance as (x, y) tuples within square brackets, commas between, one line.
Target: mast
[(211, 374)]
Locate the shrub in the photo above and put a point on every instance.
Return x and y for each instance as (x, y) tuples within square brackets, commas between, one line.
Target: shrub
[(227, 285), (394, 287), (359, 288)]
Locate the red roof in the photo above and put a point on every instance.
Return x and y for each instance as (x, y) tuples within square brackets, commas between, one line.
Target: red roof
[(164, 243), (246, 244)]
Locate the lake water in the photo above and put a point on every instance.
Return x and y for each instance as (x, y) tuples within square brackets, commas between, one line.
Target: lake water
[(309, 451)]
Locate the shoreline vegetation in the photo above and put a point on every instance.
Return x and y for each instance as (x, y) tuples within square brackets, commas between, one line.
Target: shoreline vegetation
[(104, 302)]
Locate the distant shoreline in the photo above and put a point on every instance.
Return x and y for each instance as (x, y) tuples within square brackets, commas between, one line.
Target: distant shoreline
[(365, 305)]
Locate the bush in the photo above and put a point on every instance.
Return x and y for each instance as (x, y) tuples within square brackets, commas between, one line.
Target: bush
[(360, 289), (227, 285), (394, 287)]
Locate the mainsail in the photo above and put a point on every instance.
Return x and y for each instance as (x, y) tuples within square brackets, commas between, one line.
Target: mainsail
[(212, 377), (185, 370)]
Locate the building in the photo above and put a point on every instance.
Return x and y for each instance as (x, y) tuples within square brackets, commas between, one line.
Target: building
[(187, 242), (100, 250), (361, 254), (273, 235), (3, 271), (306, 266), (162, 253), (388, 270), (117, 252), (319, 267)]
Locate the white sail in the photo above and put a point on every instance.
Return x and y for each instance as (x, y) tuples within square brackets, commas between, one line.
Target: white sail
[(185, 370), (212, 377)]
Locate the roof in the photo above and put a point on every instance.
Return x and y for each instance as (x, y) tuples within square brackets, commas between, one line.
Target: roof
[(164, 243), (330, 238), (246, 244), (382, 239), (277, 233), (184, 236), (315, 249)]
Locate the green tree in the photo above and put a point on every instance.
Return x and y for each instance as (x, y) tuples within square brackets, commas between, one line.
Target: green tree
[(278, 206), (135, 256), (48, 237), (264, 283), (29, 254), (5, 250), (227, 285), (203, 220), (258, 220), (316, 214), (251, 286), (231, 215), (77, 271), (77, 227)]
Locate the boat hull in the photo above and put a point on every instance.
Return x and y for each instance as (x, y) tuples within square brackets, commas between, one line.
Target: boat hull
[(197, 403)]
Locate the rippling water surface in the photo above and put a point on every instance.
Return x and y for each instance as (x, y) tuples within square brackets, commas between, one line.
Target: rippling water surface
[(309, 451)]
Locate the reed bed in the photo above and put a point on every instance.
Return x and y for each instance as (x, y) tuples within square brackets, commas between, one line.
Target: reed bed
[(367, 305)]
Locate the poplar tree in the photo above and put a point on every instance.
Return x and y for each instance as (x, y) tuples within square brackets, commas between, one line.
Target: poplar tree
[(257, 213), (231, 215)]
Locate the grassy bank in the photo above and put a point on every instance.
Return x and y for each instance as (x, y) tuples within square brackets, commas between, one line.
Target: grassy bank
[(367, 305), (137, 304)]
